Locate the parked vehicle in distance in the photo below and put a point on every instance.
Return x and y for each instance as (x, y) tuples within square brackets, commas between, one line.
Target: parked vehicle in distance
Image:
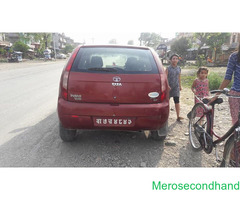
[(47, 54), (113, 87), (16, 56), (61, 56), (47, 57)]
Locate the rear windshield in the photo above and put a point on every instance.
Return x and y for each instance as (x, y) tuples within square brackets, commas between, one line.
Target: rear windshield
[(114, 60)]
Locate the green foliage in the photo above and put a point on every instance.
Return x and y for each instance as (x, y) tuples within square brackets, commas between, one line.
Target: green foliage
[(2, 51), (201, 38), (68, 49), (25, 37), (201, 60), (149, 39), (215, 81), (3, 60), (180, 46), (216, 40), (20, 46), (187, 81), (43, 38)]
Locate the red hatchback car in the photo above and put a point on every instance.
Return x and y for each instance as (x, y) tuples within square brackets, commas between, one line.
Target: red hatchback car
[(113, 87)]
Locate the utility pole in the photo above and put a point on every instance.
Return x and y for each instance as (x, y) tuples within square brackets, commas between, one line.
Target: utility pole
[(53, 38)]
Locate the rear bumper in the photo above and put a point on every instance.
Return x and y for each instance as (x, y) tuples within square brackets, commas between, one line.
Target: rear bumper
[(80, 115)]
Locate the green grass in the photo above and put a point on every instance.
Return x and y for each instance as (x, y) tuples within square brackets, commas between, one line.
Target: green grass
[(187, 80), (215, 79)]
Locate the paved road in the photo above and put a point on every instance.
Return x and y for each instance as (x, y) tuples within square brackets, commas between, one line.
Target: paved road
[(28, 94), (29, 126)]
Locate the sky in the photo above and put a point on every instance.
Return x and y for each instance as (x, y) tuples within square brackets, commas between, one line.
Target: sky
[(104, 38), (101, 21)]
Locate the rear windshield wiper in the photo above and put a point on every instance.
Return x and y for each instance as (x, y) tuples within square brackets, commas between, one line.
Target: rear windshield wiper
[(102, 69)]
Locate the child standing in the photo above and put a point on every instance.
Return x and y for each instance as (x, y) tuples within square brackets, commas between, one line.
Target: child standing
[(200, 86), (174, 80)]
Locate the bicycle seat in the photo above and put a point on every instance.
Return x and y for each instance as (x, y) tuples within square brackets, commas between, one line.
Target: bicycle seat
[(217, 101)]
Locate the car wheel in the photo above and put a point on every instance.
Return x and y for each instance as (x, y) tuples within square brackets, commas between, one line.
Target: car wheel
[(67, 135), (161, 133)]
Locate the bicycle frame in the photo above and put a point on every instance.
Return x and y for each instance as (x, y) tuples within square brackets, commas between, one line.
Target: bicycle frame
[(210, 115), (233, 131)]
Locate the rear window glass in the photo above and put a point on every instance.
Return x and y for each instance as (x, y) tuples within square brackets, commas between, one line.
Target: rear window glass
[(114, 60)]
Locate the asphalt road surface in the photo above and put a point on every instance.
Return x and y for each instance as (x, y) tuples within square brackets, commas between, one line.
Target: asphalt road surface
[(29, 126)]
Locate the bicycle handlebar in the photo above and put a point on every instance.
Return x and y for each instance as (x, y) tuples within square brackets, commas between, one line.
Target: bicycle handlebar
[(224, 91)]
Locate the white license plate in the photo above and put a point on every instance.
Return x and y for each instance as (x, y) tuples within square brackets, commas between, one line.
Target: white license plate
[(122, 122)]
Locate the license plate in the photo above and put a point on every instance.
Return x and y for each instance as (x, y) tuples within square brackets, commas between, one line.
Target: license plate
[(118, 122)]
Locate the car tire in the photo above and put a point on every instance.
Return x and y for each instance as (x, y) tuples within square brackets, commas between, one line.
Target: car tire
[(67, 135), (161, 133)]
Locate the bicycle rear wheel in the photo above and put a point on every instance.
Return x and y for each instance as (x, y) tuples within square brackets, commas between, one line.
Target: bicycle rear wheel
[(228, 154), (197, 125)]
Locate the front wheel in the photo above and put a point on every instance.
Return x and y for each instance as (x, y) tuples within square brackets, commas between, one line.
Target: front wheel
[(228, 154), (67, 135), (198, 124)]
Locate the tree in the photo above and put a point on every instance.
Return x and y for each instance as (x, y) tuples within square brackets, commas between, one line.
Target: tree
[(215, 41), (201, 40), (180, 46), (2, 51), (47, 38), (20, 46), (150, 39), (130, 42), (68, 49)]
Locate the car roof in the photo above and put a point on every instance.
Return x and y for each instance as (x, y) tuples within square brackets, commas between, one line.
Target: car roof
[(119, 46)]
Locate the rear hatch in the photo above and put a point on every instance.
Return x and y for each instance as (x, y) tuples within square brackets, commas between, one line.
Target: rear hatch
[(114, 75)]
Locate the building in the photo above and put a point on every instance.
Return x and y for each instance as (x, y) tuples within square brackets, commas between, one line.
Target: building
[(12, 37), (234, 41), (58, 41)]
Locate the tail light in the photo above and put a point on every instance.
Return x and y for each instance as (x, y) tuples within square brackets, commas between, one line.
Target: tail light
[(65, 75), (163, 96), (164, 88)]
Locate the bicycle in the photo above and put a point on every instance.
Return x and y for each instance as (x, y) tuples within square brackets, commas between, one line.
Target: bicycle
[(202, 136)]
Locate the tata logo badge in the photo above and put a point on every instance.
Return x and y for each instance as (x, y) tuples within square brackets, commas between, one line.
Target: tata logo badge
[(116, 84), (116, 79)]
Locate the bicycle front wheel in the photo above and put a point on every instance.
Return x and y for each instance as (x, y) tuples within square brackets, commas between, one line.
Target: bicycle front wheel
[(229, 157), (198, 124)]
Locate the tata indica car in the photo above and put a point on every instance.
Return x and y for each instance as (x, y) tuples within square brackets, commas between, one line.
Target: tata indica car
[(113, 87)]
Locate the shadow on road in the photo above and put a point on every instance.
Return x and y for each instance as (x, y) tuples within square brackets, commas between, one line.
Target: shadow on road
[(41, 146)]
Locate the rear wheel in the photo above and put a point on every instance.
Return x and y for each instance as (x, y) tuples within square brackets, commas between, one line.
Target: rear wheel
[(161, 133), (67, 135), (197, 125), (228, 154)]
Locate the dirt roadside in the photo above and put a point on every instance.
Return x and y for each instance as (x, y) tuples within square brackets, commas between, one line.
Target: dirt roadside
[(177, 149)]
